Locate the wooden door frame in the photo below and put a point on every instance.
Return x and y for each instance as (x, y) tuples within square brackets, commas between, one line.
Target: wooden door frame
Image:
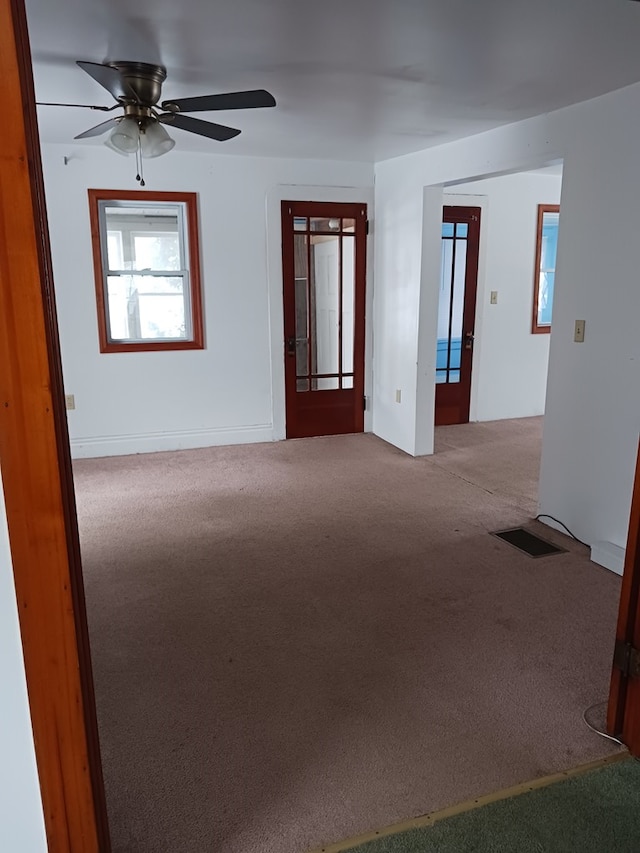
[(460, 213), (623, 712), (37, 477), (354, 413)]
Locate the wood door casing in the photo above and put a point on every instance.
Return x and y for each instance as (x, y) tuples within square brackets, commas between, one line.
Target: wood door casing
[(329, 401), (623, 713), (37, 478), (453, 398)]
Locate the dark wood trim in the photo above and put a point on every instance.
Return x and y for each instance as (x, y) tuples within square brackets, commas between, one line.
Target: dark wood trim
[(328, 412), (535, 328), (195, 282), (36, 470), (453, 400), (623, 713)]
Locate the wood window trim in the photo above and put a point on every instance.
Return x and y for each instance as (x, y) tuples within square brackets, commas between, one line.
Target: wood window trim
[(536, 328), (190, 200)]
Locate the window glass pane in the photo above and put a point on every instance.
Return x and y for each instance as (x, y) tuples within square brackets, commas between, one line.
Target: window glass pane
[(447, 229), (324, 223), (462, 229), (325, 304), (141, 238), (545, 298), (444, 304), (159, 251), (146, 308), (348, 303), (115, 250), (441, 376), (458, 305), (329, 383), (301, 307), (549, 249), (347, 381), (545, 275), (348, 225), (299, 223)]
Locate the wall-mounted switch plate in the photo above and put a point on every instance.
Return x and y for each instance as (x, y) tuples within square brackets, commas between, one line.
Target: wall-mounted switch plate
[(70, 401), (578, 335), (398, 395), (494, 297)]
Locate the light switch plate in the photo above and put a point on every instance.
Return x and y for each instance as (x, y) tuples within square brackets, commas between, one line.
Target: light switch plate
[(70, 401), (578, 336), (494, 297)]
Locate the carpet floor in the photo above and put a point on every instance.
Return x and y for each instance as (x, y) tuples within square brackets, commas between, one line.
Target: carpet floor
[(594, 813), (297, 642)]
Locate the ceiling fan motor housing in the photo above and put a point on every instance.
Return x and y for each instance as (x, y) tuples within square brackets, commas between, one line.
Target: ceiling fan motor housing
[(144, 79)]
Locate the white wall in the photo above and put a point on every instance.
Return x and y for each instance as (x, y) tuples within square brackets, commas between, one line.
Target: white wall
[(593, 396), (509, 377), (232, 391), (21, 818)]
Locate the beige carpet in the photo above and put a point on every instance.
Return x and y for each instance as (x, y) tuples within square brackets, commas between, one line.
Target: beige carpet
[(297, 642)]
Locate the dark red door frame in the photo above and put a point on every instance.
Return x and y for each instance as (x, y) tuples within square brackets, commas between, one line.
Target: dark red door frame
[(453, 400), (326, 412)]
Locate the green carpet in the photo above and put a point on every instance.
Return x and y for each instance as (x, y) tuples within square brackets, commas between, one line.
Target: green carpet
[(598, 812)]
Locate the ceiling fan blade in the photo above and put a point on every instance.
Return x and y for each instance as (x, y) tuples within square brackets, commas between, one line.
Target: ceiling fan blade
[(99, 129), (110, 78), (229, 101), (196, 125), (82, 106)]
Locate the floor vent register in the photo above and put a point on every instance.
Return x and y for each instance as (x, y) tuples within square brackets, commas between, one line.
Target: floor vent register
[(527, 542)]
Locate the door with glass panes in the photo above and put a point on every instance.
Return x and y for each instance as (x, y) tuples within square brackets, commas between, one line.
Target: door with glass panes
[(324, 254), (456, 313)]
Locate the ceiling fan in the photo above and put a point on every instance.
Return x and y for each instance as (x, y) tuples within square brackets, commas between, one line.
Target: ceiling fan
[(140, 130)]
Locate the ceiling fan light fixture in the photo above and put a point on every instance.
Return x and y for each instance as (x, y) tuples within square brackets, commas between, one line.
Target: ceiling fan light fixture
[(124, 138), (154, 140), (113, 147)]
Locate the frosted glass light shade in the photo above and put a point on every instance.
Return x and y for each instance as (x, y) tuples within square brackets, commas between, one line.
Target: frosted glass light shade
[(154, 140), (124, 137), (112, 147)]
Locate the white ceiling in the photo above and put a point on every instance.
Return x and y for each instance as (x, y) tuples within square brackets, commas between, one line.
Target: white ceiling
[(354, 80)]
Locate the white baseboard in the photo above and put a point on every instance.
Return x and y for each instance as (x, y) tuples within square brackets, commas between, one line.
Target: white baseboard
[(151, 442), (608, 555)]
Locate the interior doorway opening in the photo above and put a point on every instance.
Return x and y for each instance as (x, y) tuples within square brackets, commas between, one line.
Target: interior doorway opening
[(510, 361)]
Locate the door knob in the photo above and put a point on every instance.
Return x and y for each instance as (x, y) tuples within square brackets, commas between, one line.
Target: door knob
[(468, 340), (291, 346)]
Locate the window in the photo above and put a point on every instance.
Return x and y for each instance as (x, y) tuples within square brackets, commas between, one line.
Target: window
[(545, 268), (146, 259)]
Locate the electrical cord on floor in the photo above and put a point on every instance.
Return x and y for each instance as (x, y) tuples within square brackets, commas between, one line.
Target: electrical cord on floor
[(572, 535), (594, 728)]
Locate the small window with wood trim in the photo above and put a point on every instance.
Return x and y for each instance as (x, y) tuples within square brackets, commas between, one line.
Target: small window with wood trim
[(545, 268), (147, 271)]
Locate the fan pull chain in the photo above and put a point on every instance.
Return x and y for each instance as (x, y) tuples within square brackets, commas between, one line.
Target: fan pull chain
[(140, 175)]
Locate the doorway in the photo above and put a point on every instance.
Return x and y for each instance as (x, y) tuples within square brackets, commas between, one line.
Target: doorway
[(324, 260), (456, 313)]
